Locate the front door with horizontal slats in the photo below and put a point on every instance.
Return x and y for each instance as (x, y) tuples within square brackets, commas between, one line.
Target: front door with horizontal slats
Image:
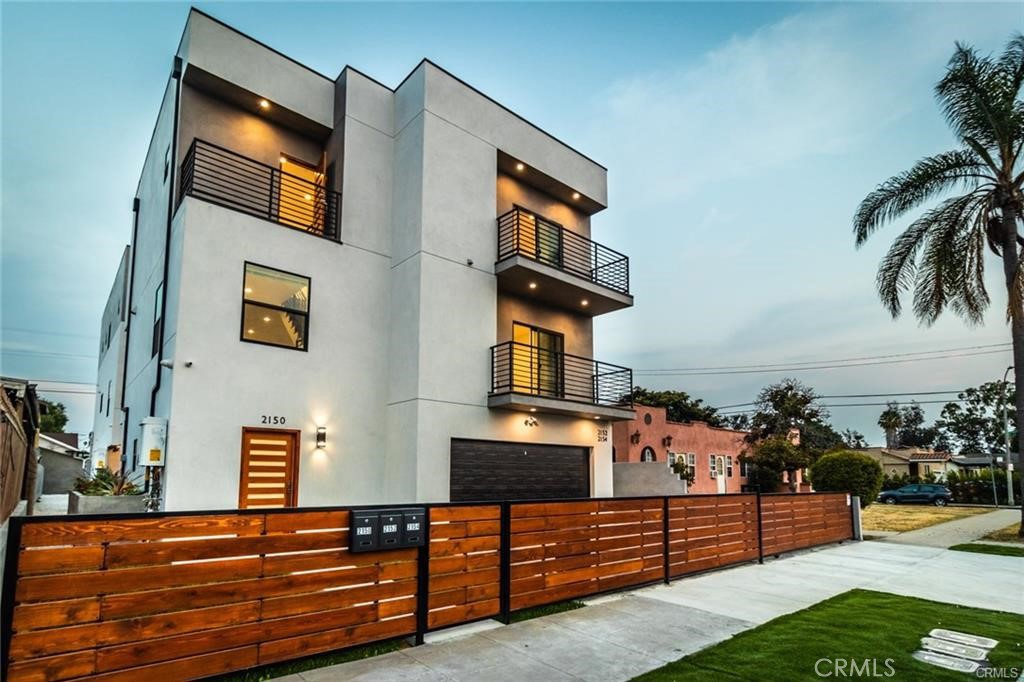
[(270, 463)]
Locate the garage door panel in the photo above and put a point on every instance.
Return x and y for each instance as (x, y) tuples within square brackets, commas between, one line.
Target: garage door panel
[(490, 470)]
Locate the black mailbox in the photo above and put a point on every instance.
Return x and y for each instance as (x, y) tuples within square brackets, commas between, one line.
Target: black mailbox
[(413, 532), (365, 531), (390, 529)]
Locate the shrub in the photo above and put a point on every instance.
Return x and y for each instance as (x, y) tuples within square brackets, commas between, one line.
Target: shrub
[(848, 472), (106, 482)]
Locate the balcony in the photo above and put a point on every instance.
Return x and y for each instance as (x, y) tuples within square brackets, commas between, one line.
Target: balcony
[(534, 379), (218, 175), (541, 259)]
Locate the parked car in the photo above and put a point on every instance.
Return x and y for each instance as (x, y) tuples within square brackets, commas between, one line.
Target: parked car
[(924, 493)]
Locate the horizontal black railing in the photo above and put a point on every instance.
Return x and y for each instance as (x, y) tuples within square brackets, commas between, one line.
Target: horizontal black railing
[(522, 233), (224, 177), (531, 370)]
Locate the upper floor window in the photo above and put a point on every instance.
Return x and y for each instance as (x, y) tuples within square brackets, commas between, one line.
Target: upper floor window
[(275, 307), (158, 311)]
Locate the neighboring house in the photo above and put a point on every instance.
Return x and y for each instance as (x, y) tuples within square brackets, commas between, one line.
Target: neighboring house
[(345, 293), (713, 453), (62, 460), (108, 421), (976, 462), (917, 462)]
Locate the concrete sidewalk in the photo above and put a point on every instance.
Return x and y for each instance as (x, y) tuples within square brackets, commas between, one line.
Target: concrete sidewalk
[(616, 638), (956, 532)]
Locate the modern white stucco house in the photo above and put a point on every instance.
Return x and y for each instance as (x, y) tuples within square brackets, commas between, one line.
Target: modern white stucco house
[(404, 275), (105, 443)]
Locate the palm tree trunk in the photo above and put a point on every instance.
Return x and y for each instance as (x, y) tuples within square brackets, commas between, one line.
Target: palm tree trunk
[(1011, 262)]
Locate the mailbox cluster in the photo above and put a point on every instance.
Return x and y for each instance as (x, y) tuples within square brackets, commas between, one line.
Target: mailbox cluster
[(376, 529)]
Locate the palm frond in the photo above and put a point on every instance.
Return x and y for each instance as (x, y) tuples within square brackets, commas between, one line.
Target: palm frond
[(928, 178), (967, 97), (946, 274)]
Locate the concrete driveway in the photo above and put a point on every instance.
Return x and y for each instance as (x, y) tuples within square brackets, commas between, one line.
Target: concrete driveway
[(618, 637)]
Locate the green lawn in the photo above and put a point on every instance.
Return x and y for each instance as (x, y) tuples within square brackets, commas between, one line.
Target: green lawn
[(982, 548), (855, 625)]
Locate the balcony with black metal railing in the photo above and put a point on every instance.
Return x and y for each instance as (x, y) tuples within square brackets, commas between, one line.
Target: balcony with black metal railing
[(540, 259), (534, 379), (224, 177)]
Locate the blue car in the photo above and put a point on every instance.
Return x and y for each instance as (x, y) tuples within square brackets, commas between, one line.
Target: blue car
[(918, 493)]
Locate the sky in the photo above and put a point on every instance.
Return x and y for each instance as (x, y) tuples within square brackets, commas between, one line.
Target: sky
[(739, 140)]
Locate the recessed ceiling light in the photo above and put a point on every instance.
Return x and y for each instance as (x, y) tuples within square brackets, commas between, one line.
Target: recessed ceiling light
[(283, 159), (264, 104), (596, 417), (520, 166), (533, 285), (533, 409), (584, 302), (575, 195), (266, 319), (251, 331)]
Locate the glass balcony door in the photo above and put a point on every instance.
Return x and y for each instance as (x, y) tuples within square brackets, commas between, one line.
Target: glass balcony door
[(540, 239), (537, 361), (301, 200)]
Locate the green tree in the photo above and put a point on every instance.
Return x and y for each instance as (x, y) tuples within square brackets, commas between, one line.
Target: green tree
[(975, 424), (849, 472), (891, 420), (771, 458), (788, 405), (913, 433), (941, 254), (53, 417), (679, 406), (853, 439)]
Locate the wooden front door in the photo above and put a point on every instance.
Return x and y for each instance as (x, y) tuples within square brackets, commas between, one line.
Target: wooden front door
[(270, 469)]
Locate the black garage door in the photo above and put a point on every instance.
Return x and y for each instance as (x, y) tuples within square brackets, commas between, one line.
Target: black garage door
[(493, 470)]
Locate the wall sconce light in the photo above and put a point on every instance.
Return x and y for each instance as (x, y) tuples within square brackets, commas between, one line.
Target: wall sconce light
[(321, 437), (530, 421), (635, 438), (666, 441)]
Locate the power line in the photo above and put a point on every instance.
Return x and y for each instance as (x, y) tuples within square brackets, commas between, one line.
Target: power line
[(689, 373), (42, 353), (817, 362), (919, 402), (856, 395), (48, 332)]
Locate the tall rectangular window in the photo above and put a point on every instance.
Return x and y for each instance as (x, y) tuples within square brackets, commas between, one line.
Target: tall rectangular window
[(158, 307), (109, 386), (728, 466), (275, 307)]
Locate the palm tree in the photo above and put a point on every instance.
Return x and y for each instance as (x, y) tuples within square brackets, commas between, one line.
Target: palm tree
[(941, 255), (891, 420)]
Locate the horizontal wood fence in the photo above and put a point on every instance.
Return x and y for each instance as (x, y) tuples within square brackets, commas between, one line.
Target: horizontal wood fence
[(179, 596)]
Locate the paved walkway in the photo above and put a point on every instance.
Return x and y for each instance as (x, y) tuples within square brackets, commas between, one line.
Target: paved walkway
[(616, 638), (955, 532)]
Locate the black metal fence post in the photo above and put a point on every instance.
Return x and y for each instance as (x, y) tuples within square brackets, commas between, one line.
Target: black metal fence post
[(760, 535), (664, 533), (10, 582), (423, 581), (505, 559)]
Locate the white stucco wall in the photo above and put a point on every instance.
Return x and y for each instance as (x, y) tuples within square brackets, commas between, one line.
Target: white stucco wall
[(231, 384)]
